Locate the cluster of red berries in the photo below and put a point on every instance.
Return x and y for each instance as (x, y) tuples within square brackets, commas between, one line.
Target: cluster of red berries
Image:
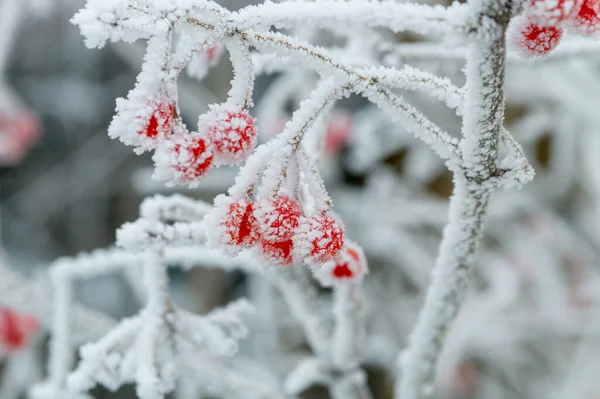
[(15, 330), (539, 29), (226, 135), (280, 230)]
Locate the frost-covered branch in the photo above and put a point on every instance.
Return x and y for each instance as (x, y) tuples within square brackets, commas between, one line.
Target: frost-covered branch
[(482, 126)]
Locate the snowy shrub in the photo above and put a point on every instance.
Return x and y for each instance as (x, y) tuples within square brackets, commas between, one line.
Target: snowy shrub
[(277, 222)]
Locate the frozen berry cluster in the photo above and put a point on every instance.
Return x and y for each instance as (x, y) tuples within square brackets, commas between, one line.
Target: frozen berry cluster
[(541, 25), (282, 233), (226, 135)]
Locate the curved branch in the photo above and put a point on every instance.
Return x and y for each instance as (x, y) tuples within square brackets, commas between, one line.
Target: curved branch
[(398, 17)]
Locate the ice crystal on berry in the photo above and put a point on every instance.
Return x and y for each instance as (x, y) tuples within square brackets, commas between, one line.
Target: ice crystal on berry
[(233, 132), (349, 264), (278, 253), (587, 19), (532, 40), (160, 123), (235, 224), (551, 12), (183, 159), (278, 217), (319, 238)]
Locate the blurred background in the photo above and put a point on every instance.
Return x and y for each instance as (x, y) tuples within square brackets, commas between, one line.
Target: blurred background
[(529, 328)]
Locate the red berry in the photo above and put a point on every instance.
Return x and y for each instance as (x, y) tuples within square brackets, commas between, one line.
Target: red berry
[(279, 253), (532, 40), (318, 239), (240, 225), (349, 263), (183, 158), (342, 271), (233, 132), (15, 329), (160, 123), (587, 20), (278, 217), (551, 12)]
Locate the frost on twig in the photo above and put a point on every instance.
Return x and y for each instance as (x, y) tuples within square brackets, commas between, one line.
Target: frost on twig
[(147, 348)]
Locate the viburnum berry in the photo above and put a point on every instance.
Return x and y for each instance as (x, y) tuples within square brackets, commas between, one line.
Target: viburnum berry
[(349, 264), (15, 329), (319, 238), (278, 217), (232, 131), (278, 253), (237, 224), (160, 123), (587, 19), (532, 40), (183, 158), (551, 12)]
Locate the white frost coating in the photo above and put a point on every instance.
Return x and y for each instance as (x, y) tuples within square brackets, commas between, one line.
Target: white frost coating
[(135, 351), (413, 79), (395, 16), (146, 117), (142, 234), (183, 159), (349, 331), (484, 110), (177, 208), (148, 349), (286, 143), (242, 84), (550, 12), (230, 127)]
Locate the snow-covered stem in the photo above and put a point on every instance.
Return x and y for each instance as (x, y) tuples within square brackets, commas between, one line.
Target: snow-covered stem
[(157, 284), (337, 345), (348, 340), (349, 332), (302, 298), (482, 124), (398, 17), (175, 208), (60, 345)]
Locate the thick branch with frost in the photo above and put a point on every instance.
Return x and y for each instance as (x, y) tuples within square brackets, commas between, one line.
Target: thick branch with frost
[(482, 126)]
